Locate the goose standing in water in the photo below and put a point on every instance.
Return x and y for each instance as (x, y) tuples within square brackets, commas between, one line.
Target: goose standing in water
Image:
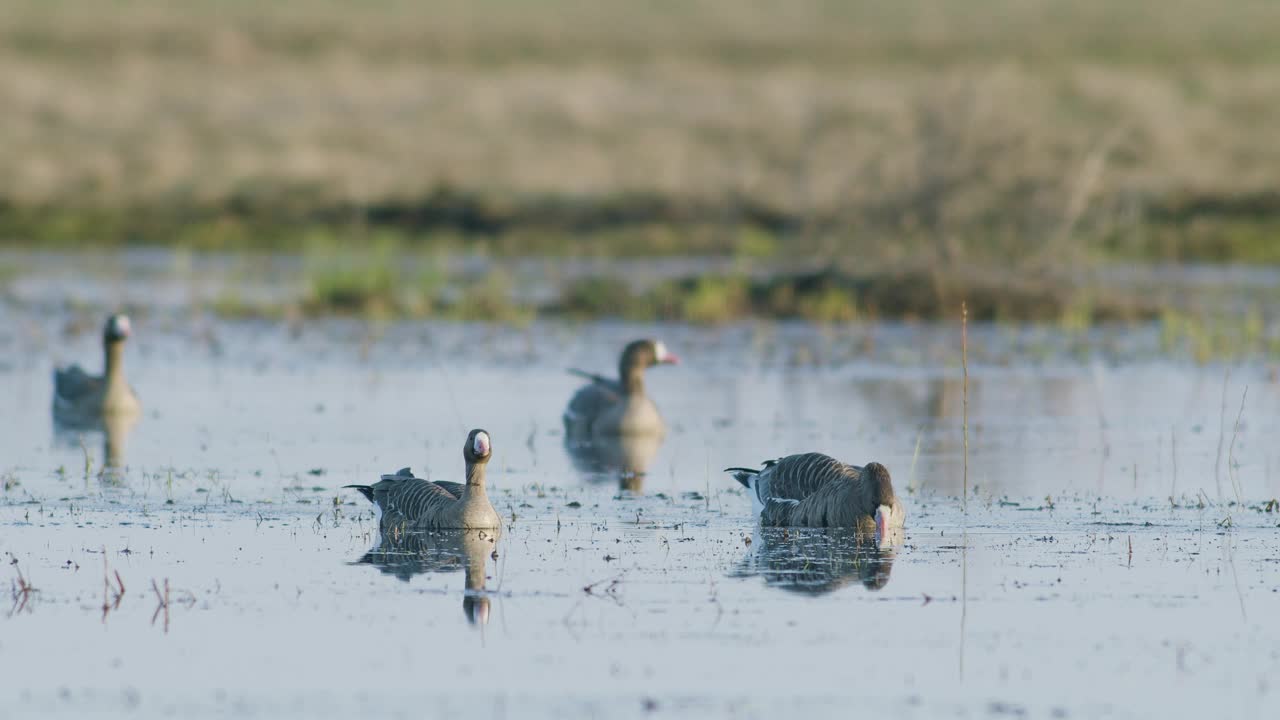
[(612, 408), (79, 397), (410, 503), (815, 490)]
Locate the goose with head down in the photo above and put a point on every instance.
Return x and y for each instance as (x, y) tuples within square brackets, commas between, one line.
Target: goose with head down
[(816, 490), (410, 503), (608, 408), (79, 397)]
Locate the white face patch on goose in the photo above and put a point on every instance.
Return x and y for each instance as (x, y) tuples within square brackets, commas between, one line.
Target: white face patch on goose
[(120, 325), (883, 514), (660, 352), (481, 444)]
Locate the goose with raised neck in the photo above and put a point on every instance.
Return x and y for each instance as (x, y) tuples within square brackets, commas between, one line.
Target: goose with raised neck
[(409, 503), (79, 396), (613, 407)]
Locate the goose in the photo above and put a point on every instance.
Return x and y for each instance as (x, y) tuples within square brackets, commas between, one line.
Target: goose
[(410, 503), (816, 490), (81, 397), (610, 408)]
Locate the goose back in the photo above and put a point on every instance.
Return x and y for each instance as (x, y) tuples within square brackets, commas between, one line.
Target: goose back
[(796, 477)]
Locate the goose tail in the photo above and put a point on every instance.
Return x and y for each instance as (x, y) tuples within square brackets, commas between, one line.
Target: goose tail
[(365, 490), (593, 377), (743, 475)]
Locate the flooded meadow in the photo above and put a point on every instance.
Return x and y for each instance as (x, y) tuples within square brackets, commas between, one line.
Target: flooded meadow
[(1116, 553)]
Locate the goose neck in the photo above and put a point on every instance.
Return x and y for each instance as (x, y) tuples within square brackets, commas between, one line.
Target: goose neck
[(114, 365), (475, 478), (632, 380)]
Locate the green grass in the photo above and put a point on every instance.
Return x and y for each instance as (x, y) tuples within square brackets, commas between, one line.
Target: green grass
[(1213, 336), (384, 279)]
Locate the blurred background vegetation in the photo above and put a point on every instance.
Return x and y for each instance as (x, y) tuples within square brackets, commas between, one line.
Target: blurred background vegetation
[(990, 149)]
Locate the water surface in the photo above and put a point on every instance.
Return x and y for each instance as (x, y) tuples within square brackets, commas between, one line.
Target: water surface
[(1103, 567)]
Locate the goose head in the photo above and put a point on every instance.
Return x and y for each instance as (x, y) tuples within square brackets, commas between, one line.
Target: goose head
[(117, 329), (880, 485), (641, 354), (479, 447)]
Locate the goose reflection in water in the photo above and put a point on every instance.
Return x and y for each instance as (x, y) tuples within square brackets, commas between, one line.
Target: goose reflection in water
[(818, 561), (625, 458), (114, 429), (406, 554)]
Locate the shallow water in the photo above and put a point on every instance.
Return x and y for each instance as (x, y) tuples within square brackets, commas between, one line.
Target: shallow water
[(1103, 568)]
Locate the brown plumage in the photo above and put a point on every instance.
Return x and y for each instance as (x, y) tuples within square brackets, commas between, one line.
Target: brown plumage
[(816, 490), (410, 503), (608, 407), (79, 397)]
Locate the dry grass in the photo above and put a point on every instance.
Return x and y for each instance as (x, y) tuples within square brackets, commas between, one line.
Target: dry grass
[(1041, 130)]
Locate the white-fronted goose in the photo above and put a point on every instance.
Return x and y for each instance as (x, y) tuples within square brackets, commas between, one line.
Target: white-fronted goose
[(410, 503), (81, 397), (608, 407), (816, 490)]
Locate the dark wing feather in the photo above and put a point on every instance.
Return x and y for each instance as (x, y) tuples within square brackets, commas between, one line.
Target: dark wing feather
[(609, 384)]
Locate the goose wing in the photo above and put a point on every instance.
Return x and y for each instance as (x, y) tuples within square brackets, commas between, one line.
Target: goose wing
[(407, 499), (453, 488), (73, 385), (590, 402), (831, 505)]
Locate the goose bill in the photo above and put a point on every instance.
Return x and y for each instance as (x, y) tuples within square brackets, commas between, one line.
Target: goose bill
[(664, 355)]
